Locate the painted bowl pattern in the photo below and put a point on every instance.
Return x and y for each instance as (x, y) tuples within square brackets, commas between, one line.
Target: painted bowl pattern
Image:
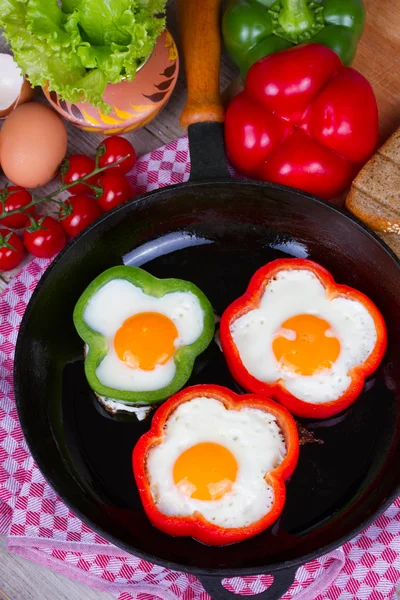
[(134, 103)]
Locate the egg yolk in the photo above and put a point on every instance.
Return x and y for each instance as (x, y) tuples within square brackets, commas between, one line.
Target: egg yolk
[(205, 471), (306, 344), (146, 340)]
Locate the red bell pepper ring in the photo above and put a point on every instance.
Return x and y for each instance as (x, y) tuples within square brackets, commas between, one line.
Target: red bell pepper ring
[(303, 120), (251, 300), (195, 525)]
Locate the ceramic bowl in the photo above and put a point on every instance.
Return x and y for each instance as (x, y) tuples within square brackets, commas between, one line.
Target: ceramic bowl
[(134, 103)]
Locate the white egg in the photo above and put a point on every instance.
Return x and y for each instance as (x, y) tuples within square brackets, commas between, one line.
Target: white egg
[(113, 304), (254, 439), (295, 292)]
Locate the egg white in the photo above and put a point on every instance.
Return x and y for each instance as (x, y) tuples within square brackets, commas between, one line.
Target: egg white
[(251, 435), (292, 293), (118, 300)]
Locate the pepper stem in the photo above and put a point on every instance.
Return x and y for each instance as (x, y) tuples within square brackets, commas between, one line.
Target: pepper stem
[(297, 20)]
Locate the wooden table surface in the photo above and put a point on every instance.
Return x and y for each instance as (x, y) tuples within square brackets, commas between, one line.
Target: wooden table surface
[(378, 58)]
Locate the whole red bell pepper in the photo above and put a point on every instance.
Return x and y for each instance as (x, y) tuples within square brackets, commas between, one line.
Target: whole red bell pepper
[(196, 525), (303, 120), (251, 300)]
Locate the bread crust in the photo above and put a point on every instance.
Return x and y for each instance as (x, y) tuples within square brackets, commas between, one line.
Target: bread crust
[(375, 193)]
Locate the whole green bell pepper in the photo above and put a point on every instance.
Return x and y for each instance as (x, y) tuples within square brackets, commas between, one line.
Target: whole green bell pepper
[(253, 29)]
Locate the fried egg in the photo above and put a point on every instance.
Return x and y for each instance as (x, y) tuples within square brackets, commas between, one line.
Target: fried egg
[(213, 461), (143, 334), (300, 336)]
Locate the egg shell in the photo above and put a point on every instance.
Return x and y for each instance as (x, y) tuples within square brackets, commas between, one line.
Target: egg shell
[(33, 143), (15, 89)]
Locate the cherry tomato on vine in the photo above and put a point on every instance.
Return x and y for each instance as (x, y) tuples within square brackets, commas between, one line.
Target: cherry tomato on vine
[(46, 239), (11, 250), (78, 212), (18, 198), (117, 147), (79, 166), (116, 190)]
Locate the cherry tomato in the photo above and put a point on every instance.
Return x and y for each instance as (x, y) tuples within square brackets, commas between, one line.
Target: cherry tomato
[(79, 166), (11, 250), (45, 241), (85, 210), (18, 198), (116, 190), (117, 147)]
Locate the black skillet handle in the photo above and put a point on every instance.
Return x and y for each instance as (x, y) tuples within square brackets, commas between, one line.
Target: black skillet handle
[(282, 582), (203, 113)]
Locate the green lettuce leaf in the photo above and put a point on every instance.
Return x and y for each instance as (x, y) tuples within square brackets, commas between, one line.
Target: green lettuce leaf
[(76, 47), (106, 21), (68, 6)]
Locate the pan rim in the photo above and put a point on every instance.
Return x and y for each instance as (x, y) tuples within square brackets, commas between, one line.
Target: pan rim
[(199, 571)]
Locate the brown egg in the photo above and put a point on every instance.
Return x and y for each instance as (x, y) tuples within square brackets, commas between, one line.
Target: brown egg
[(33, 143)]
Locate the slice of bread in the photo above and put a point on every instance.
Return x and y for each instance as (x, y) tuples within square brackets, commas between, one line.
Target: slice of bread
[(375, 193)]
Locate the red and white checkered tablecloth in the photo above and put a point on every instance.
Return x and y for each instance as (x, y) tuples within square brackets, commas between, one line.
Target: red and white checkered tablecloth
[(40, 527)]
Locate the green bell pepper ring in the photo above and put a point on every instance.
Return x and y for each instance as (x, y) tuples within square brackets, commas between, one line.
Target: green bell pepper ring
[(253, 29), (97, 345)]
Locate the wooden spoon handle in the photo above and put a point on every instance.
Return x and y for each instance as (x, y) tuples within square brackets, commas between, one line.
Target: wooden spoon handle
[(201, 43)]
